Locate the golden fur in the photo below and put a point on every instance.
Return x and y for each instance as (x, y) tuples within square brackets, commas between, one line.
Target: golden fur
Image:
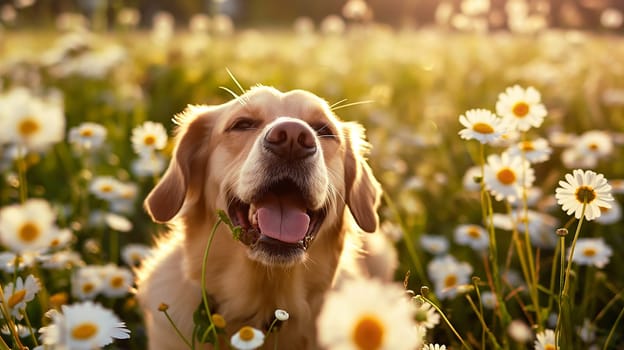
[(213, 160)]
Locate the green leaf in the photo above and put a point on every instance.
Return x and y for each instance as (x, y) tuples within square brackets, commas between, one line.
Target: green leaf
[(203, 327)]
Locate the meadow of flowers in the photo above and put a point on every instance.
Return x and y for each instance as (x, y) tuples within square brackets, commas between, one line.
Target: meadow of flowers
[(500, 153)]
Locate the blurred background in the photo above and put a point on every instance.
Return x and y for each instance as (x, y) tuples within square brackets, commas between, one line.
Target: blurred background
[(587, 14), (405, 69)]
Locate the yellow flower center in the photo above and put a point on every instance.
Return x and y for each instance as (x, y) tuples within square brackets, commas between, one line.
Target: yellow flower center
[(603, 209), (28, 126), (368, 333), (246, 333), (520, 109), (450, 281), (58, 299), (88, 287), (86, 132), (16, 298), (506, 176), (474, 232), (29, 232), (589, 252), (84, 331), (218, 321), (527, 146), (593, 146), (117, 282), (550, 347), (585, 194), (149, 140), (483, 128), (106, 188)]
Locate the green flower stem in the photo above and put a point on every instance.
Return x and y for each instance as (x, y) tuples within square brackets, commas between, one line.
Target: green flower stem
[(177, 330), (485, 330), (612, 332), (203, 278), (30, 328), (22, 167), (270, 330), (566, 284), (4, 309), (3, 345), (408, 241), (564, 301), (487, 212), (446, 320), (479, 314)]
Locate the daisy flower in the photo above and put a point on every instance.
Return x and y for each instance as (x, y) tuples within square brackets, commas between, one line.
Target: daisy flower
[(281, 315), (87, 136), (83, 326), (540, 225), (584, 189), (148, 137), (29, 121), (148, 165), (247, 338), (488, 299), (617, 186), (546, 340), (105, 187), (521, 108), (535, 151), (572, 158), (27, 227), (481, 125), (22, 331), (17, 295), (117, 222), (470, 179), (133, 254), (87, 282), (117, 281), (447, 275), (434, 244), (611, 215), (9, 260), (474, 236), (592, 251), (595, 143), (434, 347), (60, 260), (368, 314), (503, 176), (519, 331), (426, 315)]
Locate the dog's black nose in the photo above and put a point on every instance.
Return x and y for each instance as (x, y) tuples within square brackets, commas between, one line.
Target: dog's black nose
[(290, 140)]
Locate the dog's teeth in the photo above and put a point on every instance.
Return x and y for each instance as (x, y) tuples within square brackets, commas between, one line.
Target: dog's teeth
[(254, 219), (252, 214)]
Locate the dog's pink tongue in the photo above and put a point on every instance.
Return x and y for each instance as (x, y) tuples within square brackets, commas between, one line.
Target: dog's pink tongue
[(283, 217)]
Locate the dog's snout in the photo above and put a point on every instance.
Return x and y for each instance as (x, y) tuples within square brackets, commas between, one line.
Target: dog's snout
[(290, 140)]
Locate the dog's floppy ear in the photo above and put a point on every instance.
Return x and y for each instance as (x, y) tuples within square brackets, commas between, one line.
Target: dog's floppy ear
[(183, 177), (363, 191)]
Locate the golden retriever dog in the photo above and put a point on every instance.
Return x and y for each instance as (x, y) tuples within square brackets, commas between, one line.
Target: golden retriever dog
[(293, 177)]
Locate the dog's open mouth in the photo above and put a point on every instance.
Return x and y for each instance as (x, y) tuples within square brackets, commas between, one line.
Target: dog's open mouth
[(278, 222)]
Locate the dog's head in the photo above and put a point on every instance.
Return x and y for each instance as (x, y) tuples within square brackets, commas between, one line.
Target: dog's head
[(282, 166)]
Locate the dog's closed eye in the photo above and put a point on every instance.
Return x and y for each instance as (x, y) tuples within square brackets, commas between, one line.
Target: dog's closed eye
[(323, 130), (243, 124)]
